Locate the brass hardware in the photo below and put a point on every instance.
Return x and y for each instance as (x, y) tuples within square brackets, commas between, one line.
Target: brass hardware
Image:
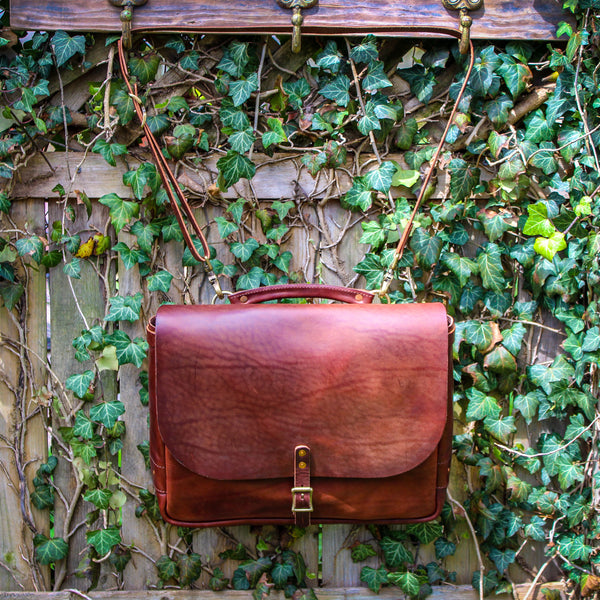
[(302, 465), (302, 452), (127, 17), (297, 18), (464, 6), (244, 299), (302, 490), (358, 297)]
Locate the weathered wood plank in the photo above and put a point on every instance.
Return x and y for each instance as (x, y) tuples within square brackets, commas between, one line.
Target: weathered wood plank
[(448, 592), (75, 305), (276, 178), (22, 375), (136, 532), (529, 19)]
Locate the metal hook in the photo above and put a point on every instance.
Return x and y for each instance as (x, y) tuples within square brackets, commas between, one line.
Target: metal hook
[(464, 6), (297, 18), (126, 17)]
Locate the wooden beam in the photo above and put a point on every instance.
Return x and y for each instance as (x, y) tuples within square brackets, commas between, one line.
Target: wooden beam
[(282, 176), (499, 19), (446, 592)]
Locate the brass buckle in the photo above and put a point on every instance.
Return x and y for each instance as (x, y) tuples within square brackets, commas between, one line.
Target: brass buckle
[(302, 490)]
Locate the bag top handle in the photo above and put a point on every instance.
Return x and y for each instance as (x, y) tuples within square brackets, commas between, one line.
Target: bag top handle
[(174, 191)]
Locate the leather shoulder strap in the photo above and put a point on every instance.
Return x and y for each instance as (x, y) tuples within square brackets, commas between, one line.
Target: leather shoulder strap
[(181, 206)]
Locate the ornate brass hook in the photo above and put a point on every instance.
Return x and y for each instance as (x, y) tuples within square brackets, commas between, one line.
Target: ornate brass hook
[(297, 18), (464, 6), (126, 17)]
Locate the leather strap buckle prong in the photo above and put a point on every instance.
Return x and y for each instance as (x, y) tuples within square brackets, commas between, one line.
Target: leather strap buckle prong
[(302, 490)]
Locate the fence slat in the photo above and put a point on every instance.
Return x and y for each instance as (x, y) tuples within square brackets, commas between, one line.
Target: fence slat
[(138, 532), (70, 309), (22, 375)]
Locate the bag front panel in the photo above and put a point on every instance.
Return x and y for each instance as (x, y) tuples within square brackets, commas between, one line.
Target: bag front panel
[(195, 500), (192, 499)]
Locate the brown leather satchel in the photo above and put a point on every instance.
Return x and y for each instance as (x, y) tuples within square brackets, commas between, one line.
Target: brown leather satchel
[(274, 413), (283, 413)]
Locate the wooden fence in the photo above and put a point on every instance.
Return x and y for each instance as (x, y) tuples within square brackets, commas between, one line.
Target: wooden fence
[(37, 356)]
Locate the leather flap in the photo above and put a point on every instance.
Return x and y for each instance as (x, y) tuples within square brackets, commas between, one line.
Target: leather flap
[(239, 387)]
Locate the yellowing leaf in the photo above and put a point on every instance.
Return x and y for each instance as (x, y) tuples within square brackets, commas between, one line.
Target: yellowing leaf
[(86, 249)]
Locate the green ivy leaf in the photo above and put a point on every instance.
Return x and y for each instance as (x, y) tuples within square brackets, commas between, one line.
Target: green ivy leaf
[(65, 47), (500, 360), (160, 282), (380, 179), (109, 151), (128, 351), (31, 246), (461, 266), (123, 102), (241, 90), (574, 547), (80, 383), (548, 247), (444, 548), (280, 573), (235, 59), (408, 582), (425, 532), (372, 270), (130, 256), (375, 78), (490, 268), (276, 133), (359, 196), (107, 413), (83, 427), (500, 428), (48, 551), (502, 558), (463, 179), (241, 141), (233, 167), (361, 552), (250, 280), (73, 268), (100, 498), (544, 376), (125, 308), (374, 578), (395, 553), (190, 568), (144, 68), (421, 81), (244, 250), (43, 497), (366, 51), (527, 405), (498, 109), (121, 211), (104, 540), (427, 248), (481, 405), (337, 90)]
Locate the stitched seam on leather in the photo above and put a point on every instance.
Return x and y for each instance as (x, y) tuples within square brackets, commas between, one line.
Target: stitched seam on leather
[(155, 464)]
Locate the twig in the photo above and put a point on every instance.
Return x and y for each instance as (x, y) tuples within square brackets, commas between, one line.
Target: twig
[(475, 542), (257, 104)]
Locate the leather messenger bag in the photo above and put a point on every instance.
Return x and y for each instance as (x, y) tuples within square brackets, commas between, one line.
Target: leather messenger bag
[(278, 413), (283, 413)]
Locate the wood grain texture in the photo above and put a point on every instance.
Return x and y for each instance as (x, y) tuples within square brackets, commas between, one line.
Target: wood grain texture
[(22, 374), (284, 177), (447, 592), (528, 19), (69, 305)]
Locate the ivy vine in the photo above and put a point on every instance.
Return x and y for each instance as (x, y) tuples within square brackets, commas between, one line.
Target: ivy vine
[(512, 248)]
